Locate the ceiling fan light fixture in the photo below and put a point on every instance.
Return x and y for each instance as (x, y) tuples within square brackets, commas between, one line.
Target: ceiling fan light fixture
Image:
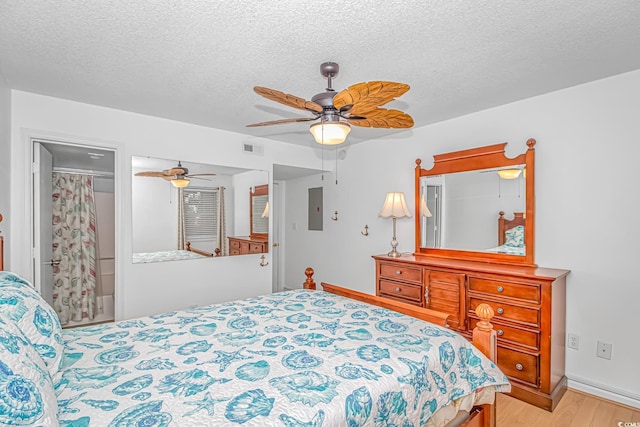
[(509, 173), (180, 182), (330, 133)]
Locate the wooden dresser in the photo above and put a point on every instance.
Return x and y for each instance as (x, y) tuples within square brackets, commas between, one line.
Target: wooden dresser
[(243, 245), (529, 305)]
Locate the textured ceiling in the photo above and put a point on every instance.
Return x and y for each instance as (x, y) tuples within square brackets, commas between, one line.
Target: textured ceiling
[(197, 61)]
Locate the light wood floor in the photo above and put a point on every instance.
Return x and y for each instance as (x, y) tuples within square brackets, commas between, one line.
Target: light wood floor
[(574, 410)]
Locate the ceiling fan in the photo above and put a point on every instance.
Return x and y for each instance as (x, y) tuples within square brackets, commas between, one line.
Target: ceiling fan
[(179, 176), (358, 105)]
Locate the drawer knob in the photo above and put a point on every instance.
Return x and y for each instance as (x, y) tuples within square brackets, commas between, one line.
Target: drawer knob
[(519, 366), (398, 272), (500, 289), (397, 289), (500, 332), (500, 310)]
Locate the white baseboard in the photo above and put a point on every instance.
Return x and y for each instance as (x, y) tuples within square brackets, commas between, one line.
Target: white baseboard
[(604, 391)]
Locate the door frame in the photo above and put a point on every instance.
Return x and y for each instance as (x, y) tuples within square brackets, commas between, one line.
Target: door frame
[(39, 259), (30, 139), (276, 239)]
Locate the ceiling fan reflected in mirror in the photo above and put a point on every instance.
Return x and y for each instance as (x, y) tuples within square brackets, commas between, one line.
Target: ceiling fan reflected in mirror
[(178, 176), (358, 105)]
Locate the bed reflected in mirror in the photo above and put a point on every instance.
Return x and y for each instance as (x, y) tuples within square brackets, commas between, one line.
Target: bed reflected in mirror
[(184, 210)]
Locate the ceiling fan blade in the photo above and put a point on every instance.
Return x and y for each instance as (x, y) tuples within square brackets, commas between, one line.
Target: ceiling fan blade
[(150, 173), (383, 118), (174, 171), (287, 99), (196, 177), (278, 122), (199, 174), (367, 96)]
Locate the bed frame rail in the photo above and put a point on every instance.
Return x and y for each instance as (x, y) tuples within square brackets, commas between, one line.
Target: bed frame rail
[(201, 252)]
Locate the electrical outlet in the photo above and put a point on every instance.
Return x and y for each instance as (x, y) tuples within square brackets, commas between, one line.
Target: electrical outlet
[(573, 341), (604, 350)]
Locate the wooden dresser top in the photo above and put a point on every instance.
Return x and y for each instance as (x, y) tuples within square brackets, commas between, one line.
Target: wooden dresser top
[(477, 266)]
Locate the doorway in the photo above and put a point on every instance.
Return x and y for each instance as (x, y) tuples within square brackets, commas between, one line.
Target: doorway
[(432, 236), (281, 175), (67, 179)]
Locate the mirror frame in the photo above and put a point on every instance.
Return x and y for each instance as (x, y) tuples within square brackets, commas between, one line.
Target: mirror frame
[(487, 157), (258, 190)]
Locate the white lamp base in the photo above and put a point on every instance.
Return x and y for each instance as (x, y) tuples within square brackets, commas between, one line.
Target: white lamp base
[(394, 254)]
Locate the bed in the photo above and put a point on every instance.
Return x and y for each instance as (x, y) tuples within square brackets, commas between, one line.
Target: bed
[(296, 358), (510, 234), (174, 255)]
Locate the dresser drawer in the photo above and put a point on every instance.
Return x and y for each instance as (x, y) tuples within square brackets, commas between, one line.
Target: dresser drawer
[(401, 272), (234, 251), (400, 290), (516, 364), (256, 248), (506, 333), (506, 289), (234, 244), (515, 313)]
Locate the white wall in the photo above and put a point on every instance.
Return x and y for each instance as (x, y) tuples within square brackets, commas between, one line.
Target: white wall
[(5, 163), (586, 211), (156, 287)]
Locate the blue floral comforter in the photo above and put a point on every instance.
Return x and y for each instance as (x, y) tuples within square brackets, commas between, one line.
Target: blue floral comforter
[(299, 358), (509, 250)]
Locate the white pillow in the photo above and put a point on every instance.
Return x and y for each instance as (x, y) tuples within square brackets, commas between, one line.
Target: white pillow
[(27, 396), (22, 304)]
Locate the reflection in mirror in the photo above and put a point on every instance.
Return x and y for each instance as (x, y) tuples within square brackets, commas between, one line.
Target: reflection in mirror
[(257, 240), (259, 199), (465, 208), (184, 210)]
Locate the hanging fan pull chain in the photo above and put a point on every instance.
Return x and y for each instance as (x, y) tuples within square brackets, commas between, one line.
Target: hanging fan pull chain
[(322, 130)]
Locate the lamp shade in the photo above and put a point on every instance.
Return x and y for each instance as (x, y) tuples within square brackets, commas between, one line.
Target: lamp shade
[(424, 209), (265, 213), (330, 133), (180, 182), (509, 173), (394, 206)]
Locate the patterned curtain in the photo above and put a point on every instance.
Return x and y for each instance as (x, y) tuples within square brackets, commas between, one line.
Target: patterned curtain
[(181, 224), (222, 223), (74, 245)]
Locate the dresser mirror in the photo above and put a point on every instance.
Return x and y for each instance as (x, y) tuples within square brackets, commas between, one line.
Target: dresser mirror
[(170, 223), (477, 204)]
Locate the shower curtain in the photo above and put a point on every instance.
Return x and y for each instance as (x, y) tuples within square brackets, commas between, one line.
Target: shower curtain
[(74, 245)]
